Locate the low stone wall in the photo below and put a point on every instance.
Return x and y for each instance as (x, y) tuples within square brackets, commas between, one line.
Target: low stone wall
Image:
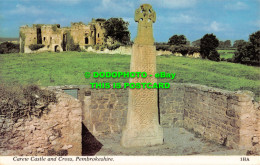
[(228, 118), (104, 110), (171, 106), (46, 48), (57, 132), (127, 50), (225, 117)]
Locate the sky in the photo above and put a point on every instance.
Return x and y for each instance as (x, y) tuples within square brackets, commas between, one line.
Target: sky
[(227, 19)]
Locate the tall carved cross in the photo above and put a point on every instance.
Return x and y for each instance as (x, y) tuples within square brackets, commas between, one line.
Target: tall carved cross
[(142, 127)]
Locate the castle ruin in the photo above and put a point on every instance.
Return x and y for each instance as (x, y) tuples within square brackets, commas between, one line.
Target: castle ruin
[(55, 38)]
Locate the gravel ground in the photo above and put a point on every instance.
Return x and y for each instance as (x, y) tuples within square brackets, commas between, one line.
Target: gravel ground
[(177, 141)]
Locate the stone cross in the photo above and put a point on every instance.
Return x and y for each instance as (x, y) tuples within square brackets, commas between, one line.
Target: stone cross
[(142, 126), (145, 16)]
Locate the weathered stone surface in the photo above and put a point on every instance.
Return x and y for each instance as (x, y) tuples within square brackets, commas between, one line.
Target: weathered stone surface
[(142, 127), (204, 112), (38, 135), (53, 36)]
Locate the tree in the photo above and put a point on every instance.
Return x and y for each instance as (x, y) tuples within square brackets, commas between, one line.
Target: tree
[(196, 43), (227, 44), (224, 44), (221, 45), (214, 55), (255, 39), (238, 42), (177, 40), (249, 52), (117, 29), (208, 43)]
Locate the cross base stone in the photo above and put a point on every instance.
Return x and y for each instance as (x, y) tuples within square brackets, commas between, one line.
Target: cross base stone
[(141, 140)]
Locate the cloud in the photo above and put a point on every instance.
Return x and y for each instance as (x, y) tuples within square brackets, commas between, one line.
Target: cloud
[(117, 7), (182, 18), (71, 2), (172, 4), (178, 19), (257, 23), (21, 9), (236, 6), (215, 27)]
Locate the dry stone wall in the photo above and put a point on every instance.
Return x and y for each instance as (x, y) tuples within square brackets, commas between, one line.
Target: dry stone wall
[(171, 106), (127, 50), (57, 132), (228, 118)]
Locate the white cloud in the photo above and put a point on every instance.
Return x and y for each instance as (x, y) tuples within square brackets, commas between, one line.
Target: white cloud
[(236, 6), (172, 4), (66, 1), (117, 7), (21, 9), (257, 23), (180, 19), (215, 27)]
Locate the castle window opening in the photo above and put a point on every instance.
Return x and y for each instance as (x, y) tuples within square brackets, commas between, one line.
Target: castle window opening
[(56, 48), (98, 35), (86, 40), (44, 38), (39, 36)]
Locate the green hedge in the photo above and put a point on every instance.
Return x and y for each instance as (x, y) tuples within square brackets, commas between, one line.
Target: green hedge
[(183, 49), (36, 46), (114, 46), (9, 47)]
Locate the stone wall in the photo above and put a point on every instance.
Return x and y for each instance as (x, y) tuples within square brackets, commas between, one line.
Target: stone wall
[(171, 106), (57, 132), (218, 115), (228, 118), (105, 110), (127, 50)]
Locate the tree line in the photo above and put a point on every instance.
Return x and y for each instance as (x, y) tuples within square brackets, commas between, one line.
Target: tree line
[(247, 52)]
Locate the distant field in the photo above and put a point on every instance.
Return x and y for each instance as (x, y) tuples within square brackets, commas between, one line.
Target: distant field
[(48, 69), (226, 53), (8, 39)]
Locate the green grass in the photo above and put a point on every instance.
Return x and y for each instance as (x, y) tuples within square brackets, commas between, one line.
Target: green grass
[(49, 69), (226, 53)]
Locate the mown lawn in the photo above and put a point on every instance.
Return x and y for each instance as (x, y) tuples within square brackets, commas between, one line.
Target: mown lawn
[(49, 69)]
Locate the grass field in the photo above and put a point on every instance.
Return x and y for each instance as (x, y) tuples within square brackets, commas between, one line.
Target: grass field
[(48, 69), (226, 53)]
